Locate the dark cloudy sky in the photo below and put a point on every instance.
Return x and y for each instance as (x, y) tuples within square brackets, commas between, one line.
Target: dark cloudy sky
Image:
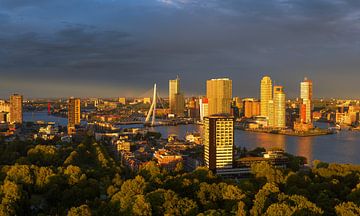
[(121, 47)]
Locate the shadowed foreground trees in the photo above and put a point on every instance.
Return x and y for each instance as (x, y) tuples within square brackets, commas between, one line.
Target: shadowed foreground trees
[(83, 179)]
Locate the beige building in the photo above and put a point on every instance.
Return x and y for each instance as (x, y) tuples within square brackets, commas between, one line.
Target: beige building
[(251, 107), (279, 107), (16, 108), (218, 142), (176, 98), (73, 114), (265, 95), (219, 94)]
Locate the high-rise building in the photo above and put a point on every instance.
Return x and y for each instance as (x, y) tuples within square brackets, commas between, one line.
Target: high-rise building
[(279, 107), (265, 95), (176, 98), (251, 107), (219, 142), (16, 108), (219, 94), (271, 115), (204, 108), (306, 93), (73, 114)]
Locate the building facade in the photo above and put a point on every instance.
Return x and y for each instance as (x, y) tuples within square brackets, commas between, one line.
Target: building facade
[(279, 107), (265, 95), (176, 98), (73, 114), (219, 94), (306, 93), (219, 142), (16, 109)]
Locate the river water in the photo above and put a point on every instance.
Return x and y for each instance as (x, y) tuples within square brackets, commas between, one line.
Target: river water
[(343, 147)]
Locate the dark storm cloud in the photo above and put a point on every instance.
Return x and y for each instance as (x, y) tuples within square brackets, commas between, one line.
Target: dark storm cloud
[(128, 45)]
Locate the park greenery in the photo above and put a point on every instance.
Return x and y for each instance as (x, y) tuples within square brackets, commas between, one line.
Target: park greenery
[(82, 178)]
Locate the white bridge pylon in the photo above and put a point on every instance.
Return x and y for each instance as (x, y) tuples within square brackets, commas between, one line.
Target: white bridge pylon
[(152, 110)]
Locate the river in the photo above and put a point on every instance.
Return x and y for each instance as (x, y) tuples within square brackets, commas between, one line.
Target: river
[(342, 147)]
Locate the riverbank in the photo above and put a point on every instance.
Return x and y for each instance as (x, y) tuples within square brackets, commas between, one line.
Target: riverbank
[(317, 132)]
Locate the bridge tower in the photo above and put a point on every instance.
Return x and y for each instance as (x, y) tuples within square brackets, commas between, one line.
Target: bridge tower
[(152, 110)]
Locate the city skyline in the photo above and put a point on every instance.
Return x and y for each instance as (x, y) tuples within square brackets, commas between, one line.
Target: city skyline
[(120, 48)]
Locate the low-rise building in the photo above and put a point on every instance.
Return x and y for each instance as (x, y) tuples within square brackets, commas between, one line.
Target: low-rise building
[(167, 159)]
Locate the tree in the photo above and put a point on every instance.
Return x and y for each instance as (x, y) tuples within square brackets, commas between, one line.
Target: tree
[(141, 207), (264, 169), (12, 198), (347, 209), (21, 174), (43, 155), (126, 196), (83, 210), (264, 198), (73, 174)]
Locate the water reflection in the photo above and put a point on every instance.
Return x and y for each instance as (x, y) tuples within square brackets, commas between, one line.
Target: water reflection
[(304, 147)]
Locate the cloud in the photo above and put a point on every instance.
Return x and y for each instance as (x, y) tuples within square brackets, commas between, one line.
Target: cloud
[(136, 43)]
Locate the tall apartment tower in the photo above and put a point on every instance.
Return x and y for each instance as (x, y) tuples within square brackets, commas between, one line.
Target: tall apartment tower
[(176, 98), (219, 94), (16, 108), (279, 107), (73, 114), (306, 93), (265, 95), (219, 142)]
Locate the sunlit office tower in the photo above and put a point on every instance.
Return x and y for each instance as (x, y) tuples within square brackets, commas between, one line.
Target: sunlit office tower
[(219, 142), (306, 92), (219, 94), (271, 115), (176, 107), (279, 107), (16, 108), (73, 114), (265, 95), (204, 108)]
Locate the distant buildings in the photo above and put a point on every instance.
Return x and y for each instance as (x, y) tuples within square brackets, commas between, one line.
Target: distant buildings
[(16, 109), (176, 98), (218, 142), (122, 100), (73, 114), (219, 95)]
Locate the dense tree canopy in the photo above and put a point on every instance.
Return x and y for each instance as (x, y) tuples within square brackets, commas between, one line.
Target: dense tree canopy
[(85, 179)]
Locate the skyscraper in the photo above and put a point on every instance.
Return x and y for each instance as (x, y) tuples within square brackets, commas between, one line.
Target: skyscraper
[(306, 97), (219, 94), (204, 108), (219, 142), (73, 114), (279, 107), (265, 95), (176, 98), (16, 108)]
